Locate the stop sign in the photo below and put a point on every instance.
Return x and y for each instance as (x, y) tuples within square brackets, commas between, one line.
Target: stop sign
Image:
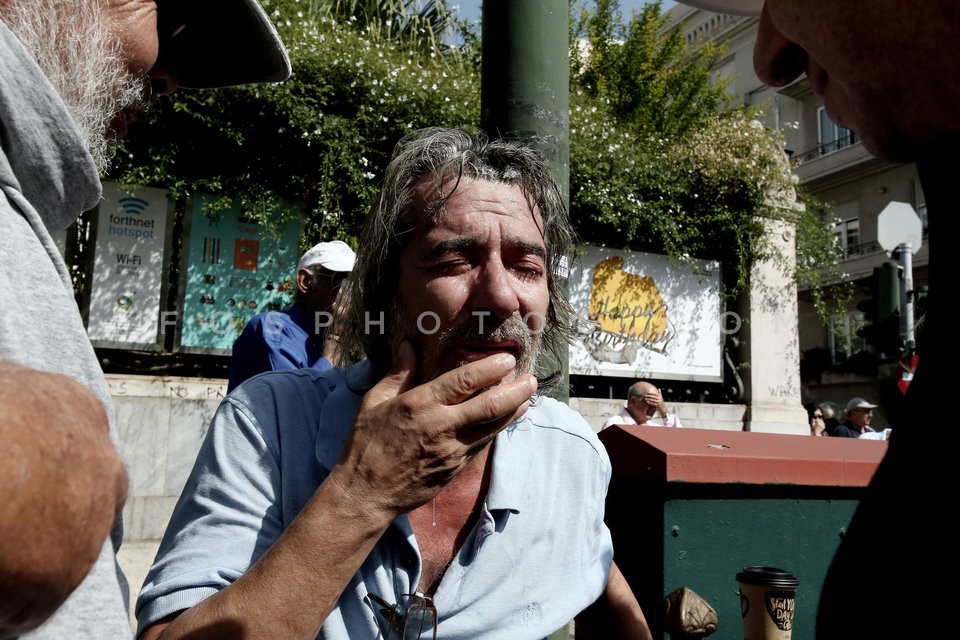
[(898, 223)]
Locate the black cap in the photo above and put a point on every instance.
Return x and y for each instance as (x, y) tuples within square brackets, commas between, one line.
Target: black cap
[(768, 577), (219, 43)]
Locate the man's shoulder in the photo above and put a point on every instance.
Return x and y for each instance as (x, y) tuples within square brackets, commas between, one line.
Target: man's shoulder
[(254, 326), (301, 383), (272, 317), (551, 434), (557, 418), (290, 404), (621, 418), (269, 328), (844, 430)]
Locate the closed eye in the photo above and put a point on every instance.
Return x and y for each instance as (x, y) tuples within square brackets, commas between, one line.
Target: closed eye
[(451, 266), (528, 273)]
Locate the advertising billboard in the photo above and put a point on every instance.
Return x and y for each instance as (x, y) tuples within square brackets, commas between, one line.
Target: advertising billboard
[(232, 268), (645, 315)]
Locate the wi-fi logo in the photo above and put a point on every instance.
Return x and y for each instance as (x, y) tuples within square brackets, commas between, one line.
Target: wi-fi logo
[(133, 206)]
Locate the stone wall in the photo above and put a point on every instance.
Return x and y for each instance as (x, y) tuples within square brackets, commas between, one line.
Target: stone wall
[(161, 423), (725, 417)]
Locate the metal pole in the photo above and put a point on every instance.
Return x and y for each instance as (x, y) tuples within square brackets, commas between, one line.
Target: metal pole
[(525, 89), (906, 297), (525, 76)]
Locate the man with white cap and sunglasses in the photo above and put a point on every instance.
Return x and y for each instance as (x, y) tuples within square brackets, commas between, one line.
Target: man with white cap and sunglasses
[(887, 69), (303, 335), (73, 74), (856, 419)]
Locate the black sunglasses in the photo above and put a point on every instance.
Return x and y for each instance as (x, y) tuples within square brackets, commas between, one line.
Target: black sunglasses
[(413, 617)]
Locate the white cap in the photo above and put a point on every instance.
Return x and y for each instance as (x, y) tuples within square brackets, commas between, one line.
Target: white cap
[(731, 7), (335, 256), (859, 403)]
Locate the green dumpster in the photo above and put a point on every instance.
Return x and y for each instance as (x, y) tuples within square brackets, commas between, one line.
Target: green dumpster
[(693, 507)]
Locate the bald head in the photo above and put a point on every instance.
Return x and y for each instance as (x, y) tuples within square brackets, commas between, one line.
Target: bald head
[(640, 389), (644, 401)]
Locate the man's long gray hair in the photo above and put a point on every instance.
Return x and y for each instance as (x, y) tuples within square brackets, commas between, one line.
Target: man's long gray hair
[(441, 155)]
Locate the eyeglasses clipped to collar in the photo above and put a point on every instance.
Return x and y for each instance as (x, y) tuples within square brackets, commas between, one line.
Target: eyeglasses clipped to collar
[(413, 617)]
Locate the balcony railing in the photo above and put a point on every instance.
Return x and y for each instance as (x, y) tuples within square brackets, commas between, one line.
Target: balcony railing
[(857, 250), (828, 148)]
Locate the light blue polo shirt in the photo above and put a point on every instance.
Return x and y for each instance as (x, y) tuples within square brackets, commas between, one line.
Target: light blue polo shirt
[(538, 555)]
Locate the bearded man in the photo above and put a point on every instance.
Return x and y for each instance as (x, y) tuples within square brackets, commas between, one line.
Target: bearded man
[(425, 491), (73, 74)]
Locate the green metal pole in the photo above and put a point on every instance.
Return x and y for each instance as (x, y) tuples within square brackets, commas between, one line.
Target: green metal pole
[(525, 87)]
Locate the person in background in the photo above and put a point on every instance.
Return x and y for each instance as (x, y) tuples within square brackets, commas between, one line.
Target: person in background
[(645, 406), (73, 74), (305, 334), (887, 70), (426, 490), (856, 419), (831, 415), (824, 418), (817, 425)]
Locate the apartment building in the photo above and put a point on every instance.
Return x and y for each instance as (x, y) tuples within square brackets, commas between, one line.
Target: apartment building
[(833, 166)]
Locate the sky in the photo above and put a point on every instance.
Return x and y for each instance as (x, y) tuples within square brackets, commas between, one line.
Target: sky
[(470, 9)]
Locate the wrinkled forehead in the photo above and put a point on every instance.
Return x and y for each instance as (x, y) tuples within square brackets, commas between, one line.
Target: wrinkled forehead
[(431, 194)]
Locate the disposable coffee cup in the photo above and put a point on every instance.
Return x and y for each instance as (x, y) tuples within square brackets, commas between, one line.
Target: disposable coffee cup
[(767, 599)]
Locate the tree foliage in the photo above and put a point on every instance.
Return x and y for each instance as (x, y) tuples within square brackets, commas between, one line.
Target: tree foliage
[(321, 139), (657, 161), (660, 162)]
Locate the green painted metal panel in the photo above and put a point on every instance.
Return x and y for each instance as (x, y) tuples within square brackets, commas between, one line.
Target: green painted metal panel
[(706, 542)]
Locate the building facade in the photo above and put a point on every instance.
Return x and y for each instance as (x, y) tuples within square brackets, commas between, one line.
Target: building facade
[(834, 167)]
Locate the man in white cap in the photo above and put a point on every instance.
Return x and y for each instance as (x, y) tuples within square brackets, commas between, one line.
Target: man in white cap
[(886, 69), (856, 419), (303, 334), (72, 75)]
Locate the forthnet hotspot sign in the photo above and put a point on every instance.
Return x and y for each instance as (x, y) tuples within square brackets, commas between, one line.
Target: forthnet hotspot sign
[(128, 267)]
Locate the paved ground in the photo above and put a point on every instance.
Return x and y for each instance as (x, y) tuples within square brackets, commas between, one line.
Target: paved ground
[(135, 559)]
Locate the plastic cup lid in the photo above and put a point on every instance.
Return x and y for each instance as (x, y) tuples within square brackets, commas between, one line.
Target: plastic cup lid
[(768, 576)]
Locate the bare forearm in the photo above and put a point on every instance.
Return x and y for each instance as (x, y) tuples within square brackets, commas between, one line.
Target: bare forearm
[(62, 486), (615, 615), (291, 590), (404, 445)]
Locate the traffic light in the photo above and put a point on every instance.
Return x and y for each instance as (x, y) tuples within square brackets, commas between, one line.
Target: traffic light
[(881, 311)]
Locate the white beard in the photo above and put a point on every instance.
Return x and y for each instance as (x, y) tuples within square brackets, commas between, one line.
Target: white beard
[(73, 46)]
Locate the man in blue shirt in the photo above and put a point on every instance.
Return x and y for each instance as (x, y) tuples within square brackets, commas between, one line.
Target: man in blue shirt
[(427, 491), (856, 419), (300, 336)]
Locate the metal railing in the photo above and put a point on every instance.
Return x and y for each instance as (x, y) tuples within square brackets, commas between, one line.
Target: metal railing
[(853, 251), (867, 248), (842, 142)]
